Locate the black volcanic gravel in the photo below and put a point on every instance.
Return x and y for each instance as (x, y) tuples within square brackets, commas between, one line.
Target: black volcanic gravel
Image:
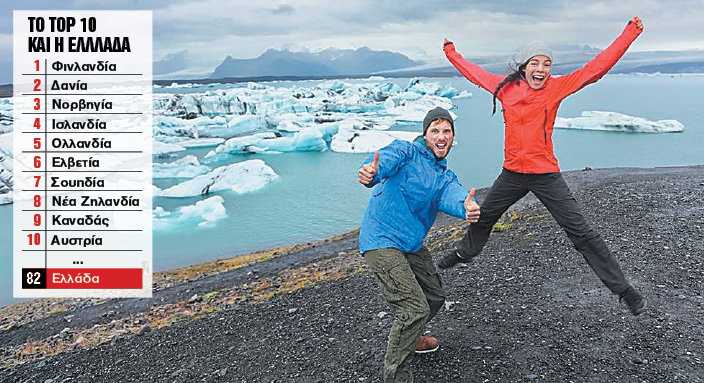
[(528, 309)]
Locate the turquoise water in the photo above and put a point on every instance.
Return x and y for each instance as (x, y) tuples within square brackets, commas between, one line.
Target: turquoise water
[(317, 194)]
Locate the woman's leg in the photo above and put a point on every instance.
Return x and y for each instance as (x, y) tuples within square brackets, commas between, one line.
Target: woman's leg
[(508, 188), (552, 190)]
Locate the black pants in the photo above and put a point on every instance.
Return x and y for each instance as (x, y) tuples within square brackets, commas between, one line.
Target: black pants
[(552, 190)]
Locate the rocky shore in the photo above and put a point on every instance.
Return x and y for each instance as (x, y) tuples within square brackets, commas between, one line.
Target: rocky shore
[(528, 309)]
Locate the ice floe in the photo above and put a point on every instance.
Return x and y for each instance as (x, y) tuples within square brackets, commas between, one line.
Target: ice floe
[(463, 94), (203, 127), (617, 122), (175, 85), (203, 213), (186, 167), (192, 143), (241, 177), (162, 149), (367, 141), (415, 111), (5, 115), (6, 165)]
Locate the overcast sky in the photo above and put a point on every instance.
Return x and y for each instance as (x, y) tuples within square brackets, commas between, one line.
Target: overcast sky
[(212, 29)]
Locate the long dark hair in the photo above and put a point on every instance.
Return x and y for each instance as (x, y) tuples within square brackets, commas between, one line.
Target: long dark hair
[(517, 72)]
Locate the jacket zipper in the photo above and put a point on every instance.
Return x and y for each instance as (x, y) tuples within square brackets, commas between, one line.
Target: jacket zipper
[(522, 126), (545, 132)]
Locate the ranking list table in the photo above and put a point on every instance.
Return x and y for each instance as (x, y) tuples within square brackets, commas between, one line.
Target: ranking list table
[(82, 224)]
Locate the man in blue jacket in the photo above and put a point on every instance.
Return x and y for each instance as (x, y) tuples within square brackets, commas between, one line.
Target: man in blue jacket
[(411, 183)]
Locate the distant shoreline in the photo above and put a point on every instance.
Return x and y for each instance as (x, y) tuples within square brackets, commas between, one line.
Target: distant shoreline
[(6, 89)]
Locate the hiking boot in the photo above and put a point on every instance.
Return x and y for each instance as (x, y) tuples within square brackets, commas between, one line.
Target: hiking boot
[(427, 344), (450, 259), (635, 302)]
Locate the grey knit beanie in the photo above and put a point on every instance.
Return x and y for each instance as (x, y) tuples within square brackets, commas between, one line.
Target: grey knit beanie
[(535, 48), (437, 113)]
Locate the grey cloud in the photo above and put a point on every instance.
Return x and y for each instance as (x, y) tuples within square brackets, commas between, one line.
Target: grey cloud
[(283, 9), (374, 12)]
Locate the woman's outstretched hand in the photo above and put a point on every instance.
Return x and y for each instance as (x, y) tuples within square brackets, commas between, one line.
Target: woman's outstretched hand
[(638, 22)]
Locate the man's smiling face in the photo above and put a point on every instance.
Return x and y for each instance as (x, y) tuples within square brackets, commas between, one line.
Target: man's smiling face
[(439, 138)]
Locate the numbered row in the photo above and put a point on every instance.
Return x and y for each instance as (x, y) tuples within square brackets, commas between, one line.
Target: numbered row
[(82, 124), (33, 182), (28, 200), (81, 162), (125, 143), (81, 278), (104, 242), (98, 220), (102, 103)]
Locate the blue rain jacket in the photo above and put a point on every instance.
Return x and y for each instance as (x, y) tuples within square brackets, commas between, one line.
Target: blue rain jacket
[(410, 186)]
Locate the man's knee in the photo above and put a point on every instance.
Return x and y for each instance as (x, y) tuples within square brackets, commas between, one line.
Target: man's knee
[(415, 313)]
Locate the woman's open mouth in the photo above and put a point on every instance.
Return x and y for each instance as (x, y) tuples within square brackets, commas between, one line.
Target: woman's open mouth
[(538, 80)]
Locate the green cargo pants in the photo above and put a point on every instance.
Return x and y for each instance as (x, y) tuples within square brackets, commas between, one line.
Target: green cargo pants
[(411, 285)]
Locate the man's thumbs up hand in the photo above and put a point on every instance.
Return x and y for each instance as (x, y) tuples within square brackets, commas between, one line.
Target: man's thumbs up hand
[(368, 171), (471, 208)]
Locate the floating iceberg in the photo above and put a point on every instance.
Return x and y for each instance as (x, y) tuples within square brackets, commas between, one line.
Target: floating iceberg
[(161, 149), (241, 177), (306, 138), (203, 127), (367, 141), (418, 86), (192, 143), (5, 115), (617, 122), (186, 167), (289, 120), (415, 111), (239, 145), (463, 94), (203, 214), (187, 85), (234, 126), (289, 126)]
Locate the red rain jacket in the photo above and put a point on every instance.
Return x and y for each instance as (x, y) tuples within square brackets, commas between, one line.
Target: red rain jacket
[(529, 114)]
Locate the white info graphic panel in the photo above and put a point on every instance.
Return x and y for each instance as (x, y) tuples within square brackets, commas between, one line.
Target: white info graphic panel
[(82, 223)]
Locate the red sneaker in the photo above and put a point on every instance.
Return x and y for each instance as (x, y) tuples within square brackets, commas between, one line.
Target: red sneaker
[(427, 344)]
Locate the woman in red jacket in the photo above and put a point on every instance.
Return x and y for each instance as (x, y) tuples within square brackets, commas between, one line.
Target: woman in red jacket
[(530, 98)]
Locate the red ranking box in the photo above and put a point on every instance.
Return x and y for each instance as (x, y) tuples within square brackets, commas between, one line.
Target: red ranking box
[(94, 278)]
